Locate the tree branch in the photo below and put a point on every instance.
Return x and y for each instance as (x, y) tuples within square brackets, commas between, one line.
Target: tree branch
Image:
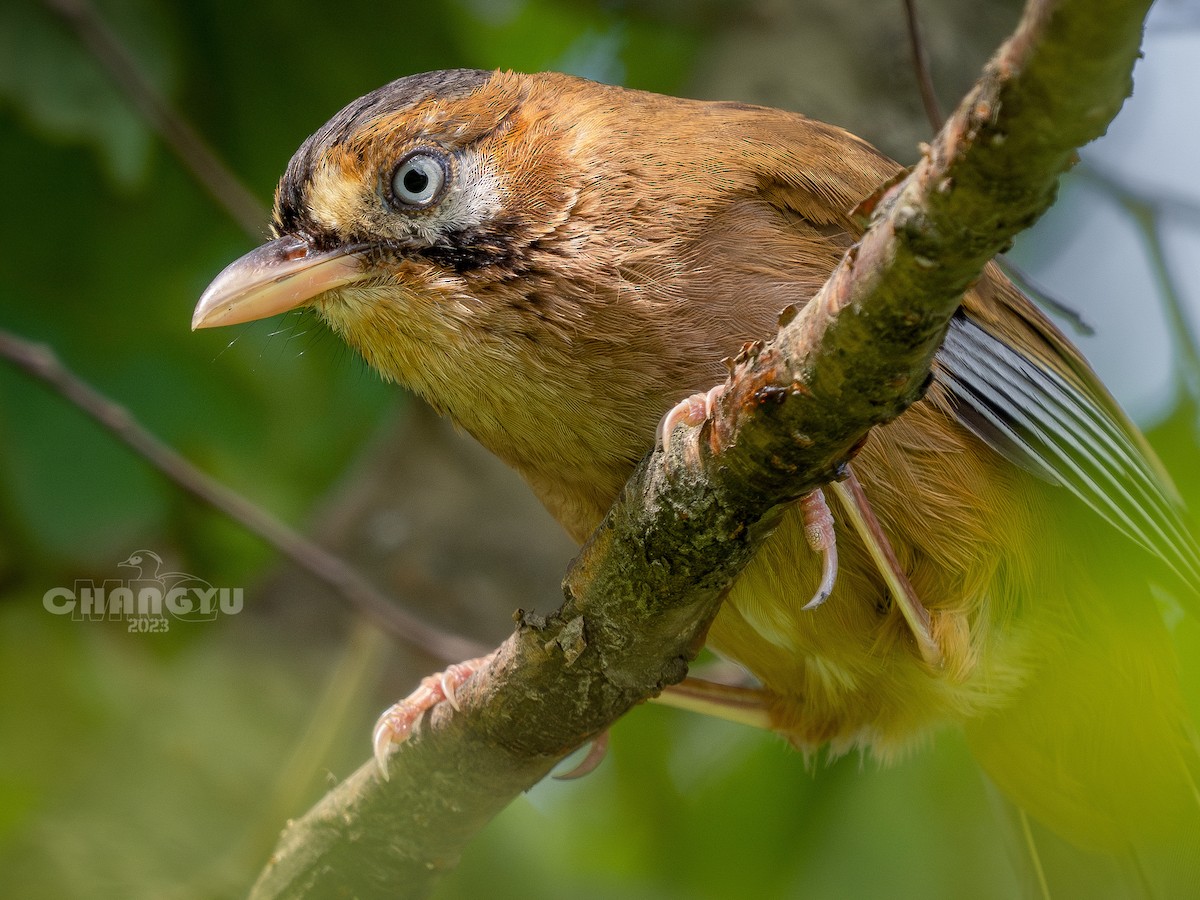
[(641, 593)]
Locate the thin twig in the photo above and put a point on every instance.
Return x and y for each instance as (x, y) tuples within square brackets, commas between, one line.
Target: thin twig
[(1146, 210), (1182, 330), (920, 60), (1158, 201), (1032, 289), (41, 362), (175, 131)]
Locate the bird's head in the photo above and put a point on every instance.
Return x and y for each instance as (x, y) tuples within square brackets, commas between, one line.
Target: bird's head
[(143, 560), (553, 262), (397, 219), (456, 229)]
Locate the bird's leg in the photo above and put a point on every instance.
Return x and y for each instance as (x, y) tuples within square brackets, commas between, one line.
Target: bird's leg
[(818, 530), (733, 703), (858, 508), (397, 723)]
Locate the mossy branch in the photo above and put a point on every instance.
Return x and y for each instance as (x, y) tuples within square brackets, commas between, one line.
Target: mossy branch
[(643, 590)]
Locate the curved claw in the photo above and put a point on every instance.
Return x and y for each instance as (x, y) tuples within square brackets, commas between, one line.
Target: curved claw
[(691, 411), (595, 755), (389, 733), (398, 721), (818, 529)]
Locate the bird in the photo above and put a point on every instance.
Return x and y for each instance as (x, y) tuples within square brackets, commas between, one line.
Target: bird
[(187, 597), (561, 267), (142, 560)]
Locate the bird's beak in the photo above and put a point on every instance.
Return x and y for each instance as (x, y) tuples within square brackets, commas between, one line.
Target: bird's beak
[(278, 276)]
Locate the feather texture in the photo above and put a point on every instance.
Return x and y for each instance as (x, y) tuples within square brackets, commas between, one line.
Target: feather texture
[(1040, 420)]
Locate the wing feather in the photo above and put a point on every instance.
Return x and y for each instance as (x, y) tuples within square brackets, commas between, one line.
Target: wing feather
[(1042, 420)]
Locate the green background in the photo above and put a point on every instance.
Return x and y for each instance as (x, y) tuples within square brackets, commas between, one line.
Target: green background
[(136, 765)]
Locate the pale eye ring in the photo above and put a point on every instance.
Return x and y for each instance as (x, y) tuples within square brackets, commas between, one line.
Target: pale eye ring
[(419, 179)]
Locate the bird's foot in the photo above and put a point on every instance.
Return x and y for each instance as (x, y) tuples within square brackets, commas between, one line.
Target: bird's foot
[(818, 521), (397, 724), (862, 516), (818, 530), (690, 412)]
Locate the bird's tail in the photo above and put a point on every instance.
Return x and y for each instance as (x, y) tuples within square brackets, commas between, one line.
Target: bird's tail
[(1098, 752)]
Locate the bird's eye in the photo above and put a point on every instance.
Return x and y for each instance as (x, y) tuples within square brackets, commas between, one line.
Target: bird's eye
[(420, 179)]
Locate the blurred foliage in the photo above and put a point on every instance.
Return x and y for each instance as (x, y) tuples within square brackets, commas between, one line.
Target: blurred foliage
[(163, 766)]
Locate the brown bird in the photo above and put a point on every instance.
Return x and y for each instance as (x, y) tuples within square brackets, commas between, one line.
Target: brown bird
[(555, 264)]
